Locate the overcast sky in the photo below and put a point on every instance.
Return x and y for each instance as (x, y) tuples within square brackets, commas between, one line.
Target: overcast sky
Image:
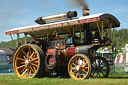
[(19, 13)]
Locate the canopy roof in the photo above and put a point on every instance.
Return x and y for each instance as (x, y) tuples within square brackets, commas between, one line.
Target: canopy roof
[(64, 26)]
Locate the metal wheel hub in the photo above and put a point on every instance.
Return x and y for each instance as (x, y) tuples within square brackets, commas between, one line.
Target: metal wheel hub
[(78, 67), (27, 63)]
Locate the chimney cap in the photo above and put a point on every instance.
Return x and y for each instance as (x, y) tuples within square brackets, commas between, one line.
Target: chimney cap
[(85, 11)]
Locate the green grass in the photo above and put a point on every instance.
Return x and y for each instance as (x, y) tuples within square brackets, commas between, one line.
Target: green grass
[(117, 77), (113, 79)]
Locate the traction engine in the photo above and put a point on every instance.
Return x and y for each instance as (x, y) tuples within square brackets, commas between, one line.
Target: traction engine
[(64, 45)]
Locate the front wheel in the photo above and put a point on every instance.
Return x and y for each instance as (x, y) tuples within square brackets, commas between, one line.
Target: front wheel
[(100, 68), (28, 61), (79, 67)]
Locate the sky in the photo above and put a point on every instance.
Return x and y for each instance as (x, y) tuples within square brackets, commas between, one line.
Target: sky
[(20, 13)]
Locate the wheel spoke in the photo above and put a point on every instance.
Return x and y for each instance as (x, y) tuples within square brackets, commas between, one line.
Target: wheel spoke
[(35, 62), (82, 63), (27, 54), (32, 69), (34, 56), (20, 59), (23, 69), (22, 62), (73, 68), (97, 73), (77, 74), (84, 71), (83, 74), (85, 67), (34, 65), (94, 72), (29, 49), (77, 62), (24, 72), (31, 55), (24, 57), (74, 71), (34, 59), (30, 73), (21, 66), (102, 73), (24, 53), (74, 64)]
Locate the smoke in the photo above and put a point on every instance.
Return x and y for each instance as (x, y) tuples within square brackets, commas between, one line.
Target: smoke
[(79, 3)]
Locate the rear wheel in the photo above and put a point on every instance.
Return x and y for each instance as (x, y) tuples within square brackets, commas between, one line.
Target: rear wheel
[(28, 61), (100, 68), (79, 67)]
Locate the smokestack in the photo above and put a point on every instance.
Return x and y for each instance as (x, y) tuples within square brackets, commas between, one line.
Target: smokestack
[(85, 12)]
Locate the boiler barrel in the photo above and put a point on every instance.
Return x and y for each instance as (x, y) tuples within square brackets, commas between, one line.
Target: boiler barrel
[(77, 50)]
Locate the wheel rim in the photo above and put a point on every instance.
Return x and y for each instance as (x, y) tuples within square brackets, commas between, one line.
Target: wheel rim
[(26, 62), (100, 68), (79, 67)]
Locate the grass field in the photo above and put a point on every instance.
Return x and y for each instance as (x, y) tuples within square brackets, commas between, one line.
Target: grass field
[(113, 79), (117, 77)]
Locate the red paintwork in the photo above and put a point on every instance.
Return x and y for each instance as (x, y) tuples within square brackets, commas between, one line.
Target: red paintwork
[(51, 52), (53, 26), (70, 51)]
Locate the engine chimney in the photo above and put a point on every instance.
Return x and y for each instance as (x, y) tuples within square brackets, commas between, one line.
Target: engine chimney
[(85, 12), (87, 37)]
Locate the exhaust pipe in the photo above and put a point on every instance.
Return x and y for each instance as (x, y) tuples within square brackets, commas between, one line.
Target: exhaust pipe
[(43, 20), (87, 37)]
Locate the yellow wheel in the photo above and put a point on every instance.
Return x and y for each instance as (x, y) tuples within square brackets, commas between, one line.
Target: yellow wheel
[(28, 61), (79, 67), (100, 68)]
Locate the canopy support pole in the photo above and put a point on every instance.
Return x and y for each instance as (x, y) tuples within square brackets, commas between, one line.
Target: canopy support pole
[(25, 38), (13, 41), (17, 40), (99, 31), (69, 32), (110, 31), (102, 26)]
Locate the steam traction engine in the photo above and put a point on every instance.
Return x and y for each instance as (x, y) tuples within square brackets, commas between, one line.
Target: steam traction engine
[(62, 45)]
